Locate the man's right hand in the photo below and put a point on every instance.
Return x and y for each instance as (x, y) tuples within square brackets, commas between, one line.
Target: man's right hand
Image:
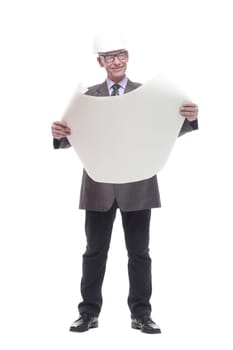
[(60, 129)]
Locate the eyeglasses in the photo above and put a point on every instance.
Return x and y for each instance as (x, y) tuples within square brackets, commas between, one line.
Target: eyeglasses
[(110, 58)]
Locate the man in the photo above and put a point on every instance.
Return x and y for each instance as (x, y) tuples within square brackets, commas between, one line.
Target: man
[(101, 200)]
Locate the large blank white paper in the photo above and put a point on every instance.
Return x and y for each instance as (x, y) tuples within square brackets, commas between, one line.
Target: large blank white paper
[(129, 137)]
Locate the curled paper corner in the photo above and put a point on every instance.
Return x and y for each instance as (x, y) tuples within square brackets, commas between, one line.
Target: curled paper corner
[(72, 105), (81, 88)]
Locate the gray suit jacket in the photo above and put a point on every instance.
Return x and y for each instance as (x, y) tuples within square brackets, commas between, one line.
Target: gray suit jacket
[(132, 196)]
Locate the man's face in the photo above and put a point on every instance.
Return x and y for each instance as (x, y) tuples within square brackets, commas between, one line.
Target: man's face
[(115, 63)]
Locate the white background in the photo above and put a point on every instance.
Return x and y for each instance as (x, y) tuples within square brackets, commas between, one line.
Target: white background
[(46, 49)]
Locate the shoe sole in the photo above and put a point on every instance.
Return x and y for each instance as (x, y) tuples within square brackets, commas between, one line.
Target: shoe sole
[(94, 325), (155, 331)]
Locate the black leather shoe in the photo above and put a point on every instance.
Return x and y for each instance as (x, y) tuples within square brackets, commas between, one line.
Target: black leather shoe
[(84, 323), (145, 324)]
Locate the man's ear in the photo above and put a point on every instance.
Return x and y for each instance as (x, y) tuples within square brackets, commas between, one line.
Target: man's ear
[(100, 61)]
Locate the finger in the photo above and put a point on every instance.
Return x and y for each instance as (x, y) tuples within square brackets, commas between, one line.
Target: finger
[(187, 113), (60, 128), (59, 134), (60, 123), (189, 104), (189, 109)]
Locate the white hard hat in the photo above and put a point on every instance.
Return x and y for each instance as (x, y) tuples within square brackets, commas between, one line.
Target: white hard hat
[(105, 42)]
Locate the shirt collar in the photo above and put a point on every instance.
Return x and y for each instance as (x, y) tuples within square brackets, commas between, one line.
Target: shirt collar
[(122, 83)]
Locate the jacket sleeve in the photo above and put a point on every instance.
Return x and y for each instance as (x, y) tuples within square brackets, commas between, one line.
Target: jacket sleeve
[(188, 126), (61, 143)]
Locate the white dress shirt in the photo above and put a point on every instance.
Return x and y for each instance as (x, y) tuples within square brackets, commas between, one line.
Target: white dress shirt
[(122, 84)]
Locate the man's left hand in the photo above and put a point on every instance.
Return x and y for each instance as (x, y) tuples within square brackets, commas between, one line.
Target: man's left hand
[(189, 110)]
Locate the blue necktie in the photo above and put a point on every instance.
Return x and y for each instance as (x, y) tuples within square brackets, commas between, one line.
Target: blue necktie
[(115, 90)]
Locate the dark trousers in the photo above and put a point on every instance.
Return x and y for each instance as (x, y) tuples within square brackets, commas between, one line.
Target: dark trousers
[(98, 227)]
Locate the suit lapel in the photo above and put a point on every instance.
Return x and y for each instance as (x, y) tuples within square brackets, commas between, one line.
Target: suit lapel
[(130, 86), (102, 89)]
